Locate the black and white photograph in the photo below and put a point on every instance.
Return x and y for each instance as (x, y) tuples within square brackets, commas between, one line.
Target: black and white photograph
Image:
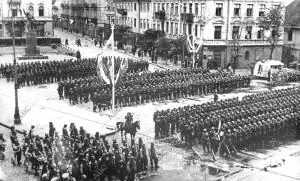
[(149, 90)]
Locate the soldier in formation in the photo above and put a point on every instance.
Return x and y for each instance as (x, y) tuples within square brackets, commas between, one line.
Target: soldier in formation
[(45, 72), (246, 123), (78, 155), (134, 88)]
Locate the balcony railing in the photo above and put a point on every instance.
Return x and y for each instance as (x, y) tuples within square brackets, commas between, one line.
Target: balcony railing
[(161, 15), (122, 12), (15, 18), (14, 1), (214, 42), (255, 42), (94, 5), (187, 17)]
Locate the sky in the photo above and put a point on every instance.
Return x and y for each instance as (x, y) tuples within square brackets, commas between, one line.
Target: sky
[(286, 2)]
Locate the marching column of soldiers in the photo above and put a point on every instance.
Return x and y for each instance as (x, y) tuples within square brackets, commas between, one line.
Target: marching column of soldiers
[(77, 155), (231, 125), (43, 72), (147, 87)]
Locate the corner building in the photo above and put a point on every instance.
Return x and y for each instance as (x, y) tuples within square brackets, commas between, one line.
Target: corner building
[(213, 21)]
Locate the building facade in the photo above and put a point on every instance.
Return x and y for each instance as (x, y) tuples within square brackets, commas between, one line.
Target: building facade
[(212, 21), (292, 33), (40, 9), (86, 16)]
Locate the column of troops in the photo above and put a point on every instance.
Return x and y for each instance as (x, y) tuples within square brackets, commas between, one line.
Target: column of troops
[(157, 86), (77, 155), (231, 125), (43, 72)]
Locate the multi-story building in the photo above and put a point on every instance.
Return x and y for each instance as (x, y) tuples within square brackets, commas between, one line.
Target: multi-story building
[(292, 33), (40, 9), (86, 16), (213, 21)]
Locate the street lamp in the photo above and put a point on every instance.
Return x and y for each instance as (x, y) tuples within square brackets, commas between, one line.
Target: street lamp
[(17, 119)]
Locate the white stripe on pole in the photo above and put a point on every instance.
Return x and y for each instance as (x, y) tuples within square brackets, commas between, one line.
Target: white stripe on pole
[(113, 68)]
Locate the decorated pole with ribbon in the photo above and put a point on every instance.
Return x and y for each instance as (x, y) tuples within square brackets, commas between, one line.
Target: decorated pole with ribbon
[(113, 68), (194, 44)]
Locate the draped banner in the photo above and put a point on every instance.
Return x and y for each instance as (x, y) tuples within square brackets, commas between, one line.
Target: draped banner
[(104, 67)]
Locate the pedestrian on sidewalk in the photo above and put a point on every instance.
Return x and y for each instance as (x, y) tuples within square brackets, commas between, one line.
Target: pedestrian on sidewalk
[(67, 42), (95, 42)]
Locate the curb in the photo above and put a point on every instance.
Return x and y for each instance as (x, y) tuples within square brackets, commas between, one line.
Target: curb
[(9, 127)]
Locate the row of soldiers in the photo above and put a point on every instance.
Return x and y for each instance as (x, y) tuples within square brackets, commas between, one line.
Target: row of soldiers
[(77, 155), (241, 123), (42, 72), (146, 87)]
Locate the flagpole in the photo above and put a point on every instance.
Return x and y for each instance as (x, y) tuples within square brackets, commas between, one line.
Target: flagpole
[(113, 67)]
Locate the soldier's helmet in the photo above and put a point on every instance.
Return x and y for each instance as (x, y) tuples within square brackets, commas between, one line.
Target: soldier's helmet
[(204, 130)]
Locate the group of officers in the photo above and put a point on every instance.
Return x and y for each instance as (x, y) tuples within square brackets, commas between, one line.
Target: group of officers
[(134, 88), (42, 72), (77, 155), (232, 124)]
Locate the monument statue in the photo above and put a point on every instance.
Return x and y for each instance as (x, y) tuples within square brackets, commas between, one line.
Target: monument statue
[(32, 51), (30, 20)]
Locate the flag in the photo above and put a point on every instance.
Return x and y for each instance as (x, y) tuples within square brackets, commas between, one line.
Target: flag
[(123, 68), (102, 69)]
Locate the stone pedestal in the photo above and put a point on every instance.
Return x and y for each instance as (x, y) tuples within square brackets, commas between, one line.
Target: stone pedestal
[(32, 51)]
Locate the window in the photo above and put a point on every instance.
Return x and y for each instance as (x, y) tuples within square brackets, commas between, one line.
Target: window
[(190, 28), (217, 34), (184, 7), (247, 55), (249, 10), (262, 8), (176, 28), (31, 10), (41, 11), (248, 35), (158, 6), (176, 9), (167, 27), (196, 9), (202, 9), (167, 8), (196, 30), (154, 26), (235, 32), (158, 26), (134, 22), (237, 10), (135, 6), (148, 24), (260, 33), (191, 7), (219, 9), (154, 7), (172, 8), (290, 35), (14, 12), (184, 28), (163, 6), (148, 7), (171, 29)]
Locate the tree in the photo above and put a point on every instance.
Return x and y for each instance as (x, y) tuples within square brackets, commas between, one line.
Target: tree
[(147, 41), (163, 46), (272, 22)]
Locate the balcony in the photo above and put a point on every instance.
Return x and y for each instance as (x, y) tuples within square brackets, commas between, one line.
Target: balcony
[(161, 15), (94, 21), (255, 42), (94, 5), (14, 1), (187, 17), (15, 18), (86, 5), (122, 12), (214, 42)]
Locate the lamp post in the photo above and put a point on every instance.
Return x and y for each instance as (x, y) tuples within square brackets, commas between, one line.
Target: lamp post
[(17, 119)]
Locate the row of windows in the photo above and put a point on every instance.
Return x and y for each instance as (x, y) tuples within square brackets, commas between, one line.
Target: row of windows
[(31, 11), (236, 32), (237, 10)]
